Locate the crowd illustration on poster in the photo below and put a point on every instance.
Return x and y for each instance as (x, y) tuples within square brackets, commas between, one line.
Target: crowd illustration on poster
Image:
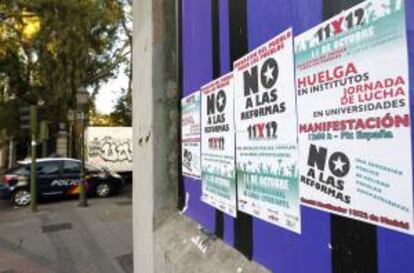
[(321, 119)]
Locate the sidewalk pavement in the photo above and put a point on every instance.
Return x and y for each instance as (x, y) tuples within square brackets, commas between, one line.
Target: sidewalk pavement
[(64, 238)]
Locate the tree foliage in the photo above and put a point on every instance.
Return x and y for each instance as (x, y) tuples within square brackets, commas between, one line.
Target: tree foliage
[(122, 114), (51, 48)]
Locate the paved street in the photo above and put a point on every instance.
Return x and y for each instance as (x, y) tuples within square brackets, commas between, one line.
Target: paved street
[(64, 238)]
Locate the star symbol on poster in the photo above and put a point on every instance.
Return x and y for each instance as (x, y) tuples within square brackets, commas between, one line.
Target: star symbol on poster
[(220, 102), (269, 73), (339, 164)]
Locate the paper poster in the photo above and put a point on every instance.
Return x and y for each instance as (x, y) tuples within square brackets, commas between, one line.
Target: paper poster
[(266, 133), (354, 115), (218, 145), (190, 135)]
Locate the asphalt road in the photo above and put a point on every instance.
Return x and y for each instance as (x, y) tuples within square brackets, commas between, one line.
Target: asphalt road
[(64, 238)]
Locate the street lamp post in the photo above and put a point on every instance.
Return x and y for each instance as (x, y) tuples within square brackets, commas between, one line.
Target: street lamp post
[(82, 99)]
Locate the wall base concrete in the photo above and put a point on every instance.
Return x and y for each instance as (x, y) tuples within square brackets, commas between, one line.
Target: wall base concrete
[(178, 249)]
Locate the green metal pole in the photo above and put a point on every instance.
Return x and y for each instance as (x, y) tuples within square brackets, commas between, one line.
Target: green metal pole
[(82, 189), (33, 190)]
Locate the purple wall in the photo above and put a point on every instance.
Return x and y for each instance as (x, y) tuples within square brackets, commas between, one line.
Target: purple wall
[(274, 247)]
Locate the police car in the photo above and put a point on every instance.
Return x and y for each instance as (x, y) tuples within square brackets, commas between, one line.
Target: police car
[(57, 177)]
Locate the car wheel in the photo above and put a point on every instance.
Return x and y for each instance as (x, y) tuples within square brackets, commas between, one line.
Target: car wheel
[(103, 190), (21, 198)]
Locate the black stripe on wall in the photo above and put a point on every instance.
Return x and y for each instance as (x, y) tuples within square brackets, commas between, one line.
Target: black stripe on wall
[(215, 37), (354, 243), (243, 224), (238, 30), (334, 7), (215, 28), (354, 246), (181, 189)]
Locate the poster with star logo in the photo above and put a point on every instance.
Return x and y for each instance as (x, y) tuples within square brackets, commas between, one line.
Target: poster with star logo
[(266, 133), (191, 135), (218, 173), (354, 115)]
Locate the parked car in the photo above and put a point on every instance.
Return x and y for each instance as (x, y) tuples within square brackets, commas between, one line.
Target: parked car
[(57, 177)]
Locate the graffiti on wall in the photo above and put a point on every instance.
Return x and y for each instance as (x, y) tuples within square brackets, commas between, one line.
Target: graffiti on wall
[(110, 149)]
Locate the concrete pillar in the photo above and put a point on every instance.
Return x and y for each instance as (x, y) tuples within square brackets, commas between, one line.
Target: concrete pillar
[(155, 122)]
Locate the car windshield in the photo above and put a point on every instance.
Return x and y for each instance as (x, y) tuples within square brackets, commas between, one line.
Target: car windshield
[(47, 167), (20, 170), (71, 166)]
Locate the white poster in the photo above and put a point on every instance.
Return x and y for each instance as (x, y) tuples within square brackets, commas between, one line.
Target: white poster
[(218, 143), (266, 133), (354, 115), (190, 135)]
